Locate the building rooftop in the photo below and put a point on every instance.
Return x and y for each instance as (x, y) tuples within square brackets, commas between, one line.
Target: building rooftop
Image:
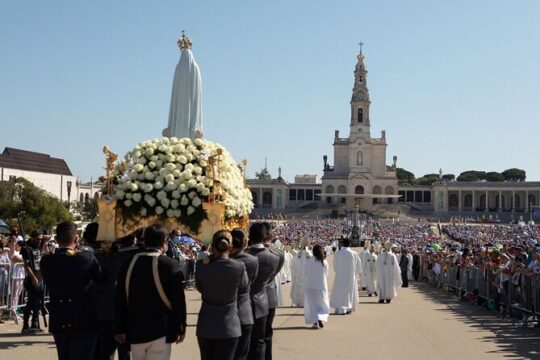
[(32, 161)]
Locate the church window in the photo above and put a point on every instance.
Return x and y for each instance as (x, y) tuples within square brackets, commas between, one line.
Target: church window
[(360, 115), (359, 158)]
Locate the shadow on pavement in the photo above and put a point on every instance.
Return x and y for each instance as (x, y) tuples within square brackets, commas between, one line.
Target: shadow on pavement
[(524, 343), (292, 328), (15, 340)]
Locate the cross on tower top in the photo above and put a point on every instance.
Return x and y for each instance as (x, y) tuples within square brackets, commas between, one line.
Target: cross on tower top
[(361, 44)]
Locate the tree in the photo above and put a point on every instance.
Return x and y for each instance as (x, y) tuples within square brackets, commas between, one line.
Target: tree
[(404, 176), (263, 174), (449, 177), (471, 175), (494, 176), (42, 210), (88, 209), (427, 179), (514, 175)]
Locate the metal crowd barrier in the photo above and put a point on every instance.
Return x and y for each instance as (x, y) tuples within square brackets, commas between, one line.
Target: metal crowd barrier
[(522, 299)]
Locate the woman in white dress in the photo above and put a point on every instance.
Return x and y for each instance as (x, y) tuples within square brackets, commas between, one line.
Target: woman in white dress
[(316, 304)]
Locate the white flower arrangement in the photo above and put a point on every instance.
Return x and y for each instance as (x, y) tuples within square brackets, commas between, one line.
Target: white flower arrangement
[(168, 177)]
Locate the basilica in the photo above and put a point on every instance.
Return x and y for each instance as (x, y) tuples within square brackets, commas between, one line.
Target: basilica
[(360, 177)]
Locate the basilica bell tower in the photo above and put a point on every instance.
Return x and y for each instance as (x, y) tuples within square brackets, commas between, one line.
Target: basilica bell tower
[(360, 121)]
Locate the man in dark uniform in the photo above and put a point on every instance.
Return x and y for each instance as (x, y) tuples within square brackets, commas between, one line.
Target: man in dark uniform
[(70, 274), (268, 264), (150, 305), (271, 290), (121, 252), (239, 244)]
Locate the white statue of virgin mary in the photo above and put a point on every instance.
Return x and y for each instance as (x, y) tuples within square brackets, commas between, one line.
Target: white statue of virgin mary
[(185, 115)]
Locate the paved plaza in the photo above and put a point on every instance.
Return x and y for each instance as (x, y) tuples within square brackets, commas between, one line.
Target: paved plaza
[(422, 323)]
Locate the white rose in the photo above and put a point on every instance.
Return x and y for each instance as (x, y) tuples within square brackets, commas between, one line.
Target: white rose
[(205, 192), (143, 211), (149, 152), (196, 202), (190, 210), (171, 158), (162, 147), (169, 178), (128, 203), (129, 195), (150, 200), (176, 194), (138, 167), (184, 201), (158, 185), (151, 164), (173, 140), (165, 202), (159, 210), (134, 187), (161, 195), (176, 173), (159, 163), (120, 194), (174, 204), (182, 188), (177, 213), (142, 161), (149, 176), (192, 183), (198, 142), (189, 167), (170, 213), (170, 167), (137, 197)]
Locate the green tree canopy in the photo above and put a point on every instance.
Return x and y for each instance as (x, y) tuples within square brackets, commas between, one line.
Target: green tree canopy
[(42, 210), (514, 175), (263, 174), (494, 176), (427, 179), (449, 177), (472, 175), (404, 176)]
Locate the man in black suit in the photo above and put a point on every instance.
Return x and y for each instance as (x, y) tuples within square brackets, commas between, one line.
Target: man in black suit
[(150, 306), (239, 244), (268, 264), (271, 290), (112, 262), (69, 274)]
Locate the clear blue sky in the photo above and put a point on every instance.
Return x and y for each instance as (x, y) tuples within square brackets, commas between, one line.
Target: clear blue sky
[(454, 83)]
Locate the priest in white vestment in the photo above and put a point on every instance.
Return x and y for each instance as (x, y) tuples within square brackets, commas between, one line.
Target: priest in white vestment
[(285, 273), (388, 274), (348, 268), (409, 270), (371, 272), (298, 266), (316, 306), (363, 255)]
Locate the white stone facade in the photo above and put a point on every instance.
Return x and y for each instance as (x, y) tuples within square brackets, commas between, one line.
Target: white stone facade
[(359, 159)]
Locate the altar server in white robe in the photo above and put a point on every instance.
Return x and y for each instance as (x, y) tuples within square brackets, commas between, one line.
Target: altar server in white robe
[(348, 268), (285, 274), (371, 271), (298, 273), (316, 306), (363, 255), (409, 270), (388, 274)]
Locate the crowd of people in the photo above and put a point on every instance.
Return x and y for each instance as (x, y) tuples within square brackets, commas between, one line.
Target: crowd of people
[(129, 298)]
